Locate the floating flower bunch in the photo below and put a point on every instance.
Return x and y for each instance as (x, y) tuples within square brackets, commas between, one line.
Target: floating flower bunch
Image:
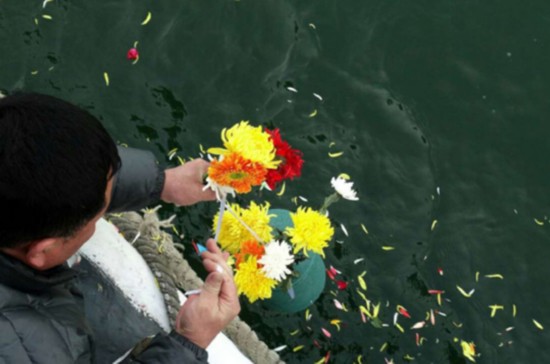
[(264, 257), (250, 157)]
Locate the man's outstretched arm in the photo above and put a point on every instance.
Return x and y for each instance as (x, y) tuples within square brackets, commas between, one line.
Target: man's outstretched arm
[(141, 182)]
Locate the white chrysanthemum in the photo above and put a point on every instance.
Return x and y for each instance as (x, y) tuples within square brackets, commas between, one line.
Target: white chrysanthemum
[(344, 188), (276, 259), (221, 191)]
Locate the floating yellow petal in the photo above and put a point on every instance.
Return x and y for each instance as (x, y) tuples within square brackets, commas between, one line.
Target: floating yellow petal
[(336, 323), (297, 348), (400, 328), (376, 310), (538, 324), (538, 222), (47, 17), (363, 296), (282, 191), (313, 113), (495, 308), (147, 18), (468, 350), (364, 229), (172, 153), (383, 347), (335, 155), (106, 78), (434, 223), (499, 276), (514, 310), (464, 293), (344, 176), (388, 248), (362, 283), (365, 311)]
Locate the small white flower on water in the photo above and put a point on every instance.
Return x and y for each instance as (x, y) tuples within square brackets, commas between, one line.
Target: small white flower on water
[(221, 191), (344, 188), (276, 259)]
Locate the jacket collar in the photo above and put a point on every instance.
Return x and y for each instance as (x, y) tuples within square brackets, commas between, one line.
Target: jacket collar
[(19, 276)]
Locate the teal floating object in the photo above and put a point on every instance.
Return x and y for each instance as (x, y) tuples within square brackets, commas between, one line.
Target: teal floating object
[(308, 286)]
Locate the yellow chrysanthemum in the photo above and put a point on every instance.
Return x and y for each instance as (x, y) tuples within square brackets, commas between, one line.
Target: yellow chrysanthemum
[(251, 281), (258, 217), (250, 142), (233, 233), (311, 232)]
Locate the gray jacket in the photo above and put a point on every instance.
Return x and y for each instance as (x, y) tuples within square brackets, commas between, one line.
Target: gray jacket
[(42, 316)]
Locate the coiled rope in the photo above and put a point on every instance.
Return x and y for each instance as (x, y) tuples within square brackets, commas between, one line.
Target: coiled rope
[(173, 272)]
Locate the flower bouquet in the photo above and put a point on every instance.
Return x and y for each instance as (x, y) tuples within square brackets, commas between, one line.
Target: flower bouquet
[(251, 156), (268, 244), (271, 249)]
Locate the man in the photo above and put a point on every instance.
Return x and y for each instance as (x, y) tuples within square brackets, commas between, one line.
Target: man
[(59, 173)]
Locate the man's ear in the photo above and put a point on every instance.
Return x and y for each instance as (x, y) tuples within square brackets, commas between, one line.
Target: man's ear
[(37, 252)]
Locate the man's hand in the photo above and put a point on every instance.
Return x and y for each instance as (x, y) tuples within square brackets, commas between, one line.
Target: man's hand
[(183, 185), (203, 316)]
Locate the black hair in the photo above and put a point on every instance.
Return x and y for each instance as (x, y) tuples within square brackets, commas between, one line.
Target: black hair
[(55, 162)]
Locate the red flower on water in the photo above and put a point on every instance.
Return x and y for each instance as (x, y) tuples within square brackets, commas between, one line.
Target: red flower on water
[(132, 54), (291, 160), (341, 285)]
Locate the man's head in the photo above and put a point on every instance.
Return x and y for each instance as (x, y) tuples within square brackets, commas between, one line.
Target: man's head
[(56, 168)]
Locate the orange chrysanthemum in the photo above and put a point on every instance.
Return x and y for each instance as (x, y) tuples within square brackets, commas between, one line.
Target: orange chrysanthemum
[(236, 172), (249, 248)]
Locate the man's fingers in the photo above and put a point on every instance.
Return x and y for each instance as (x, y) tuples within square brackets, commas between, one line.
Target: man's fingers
[(212, 286), (212, 265), (213, 247)]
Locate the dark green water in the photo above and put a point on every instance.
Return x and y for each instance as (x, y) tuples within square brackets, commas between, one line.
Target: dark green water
[(419, 95)]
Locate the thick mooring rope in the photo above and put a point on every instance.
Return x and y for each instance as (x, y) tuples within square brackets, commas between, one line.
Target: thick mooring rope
[(173, 272)]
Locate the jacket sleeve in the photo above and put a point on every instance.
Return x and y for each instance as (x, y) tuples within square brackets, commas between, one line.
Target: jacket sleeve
[(167, 348), (139, 181), (27, 337)]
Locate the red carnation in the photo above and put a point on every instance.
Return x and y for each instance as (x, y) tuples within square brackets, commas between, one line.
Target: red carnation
[(132, 54), (291, 160)]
